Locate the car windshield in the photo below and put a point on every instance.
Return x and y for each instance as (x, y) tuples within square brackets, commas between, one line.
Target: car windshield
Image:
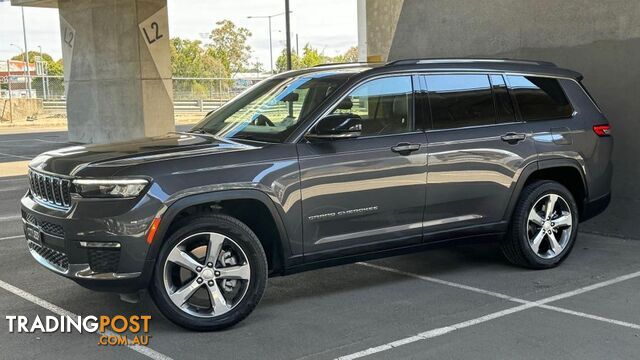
[(271, 110)]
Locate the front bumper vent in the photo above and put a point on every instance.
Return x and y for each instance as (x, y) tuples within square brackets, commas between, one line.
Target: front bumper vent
[(104, 260), (45, 226), (56, 258), (50, 190)]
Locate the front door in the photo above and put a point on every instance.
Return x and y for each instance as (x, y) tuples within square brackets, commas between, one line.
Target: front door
[(366, 193), (477, 150)]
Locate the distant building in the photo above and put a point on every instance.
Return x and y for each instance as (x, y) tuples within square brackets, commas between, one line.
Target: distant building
[(12, 74)]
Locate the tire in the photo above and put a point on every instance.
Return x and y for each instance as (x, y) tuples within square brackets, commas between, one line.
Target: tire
[(528, 242), (238, 273)]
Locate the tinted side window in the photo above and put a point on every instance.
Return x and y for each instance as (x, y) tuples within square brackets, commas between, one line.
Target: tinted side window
[(385, 105), (539, 98), (504, 106), (460, 100)]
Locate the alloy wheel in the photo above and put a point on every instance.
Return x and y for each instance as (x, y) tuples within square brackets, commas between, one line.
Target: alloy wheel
[(206, 274), (549, 226)]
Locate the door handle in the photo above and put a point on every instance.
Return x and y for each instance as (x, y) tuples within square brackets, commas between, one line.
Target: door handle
[(405, 148), (513, 138)]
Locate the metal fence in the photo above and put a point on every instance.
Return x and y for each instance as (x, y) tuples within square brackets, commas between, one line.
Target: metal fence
[(189, 94)]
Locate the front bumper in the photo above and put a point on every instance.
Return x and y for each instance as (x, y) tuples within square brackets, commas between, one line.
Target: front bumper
[(100, 244)]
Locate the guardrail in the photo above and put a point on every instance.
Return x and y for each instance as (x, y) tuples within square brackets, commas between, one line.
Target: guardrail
[(198, 106)]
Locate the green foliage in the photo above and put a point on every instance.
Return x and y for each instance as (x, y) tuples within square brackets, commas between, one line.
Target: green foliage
[(229, 45), (190, 59), (54, 67), (351, 55), (312, 57)]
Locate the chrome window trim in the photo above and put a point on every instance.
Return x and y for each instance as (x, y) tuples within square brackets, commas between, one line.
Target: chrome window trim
[(474, 127), (443, 71)]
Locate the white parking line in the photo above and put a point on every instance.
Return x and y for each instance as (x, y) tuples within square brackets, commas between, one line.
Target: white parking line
[(525, 305), (41, 140), (9, 218), (15, 187), (146, 351), (444, 282), (16, 156), (11, 237)]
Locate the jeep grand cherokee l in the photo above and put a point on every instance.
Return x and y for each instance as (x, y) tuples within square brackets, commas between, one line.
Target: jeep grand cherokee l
[(326, 166)]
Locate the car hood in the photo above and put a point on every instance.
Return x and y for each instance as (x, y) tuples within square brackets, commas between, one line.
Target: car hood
[(113, 157)]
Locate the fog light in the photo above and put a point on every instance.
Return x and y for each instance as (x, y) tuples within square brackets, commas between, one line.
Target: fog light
[(100, 245)]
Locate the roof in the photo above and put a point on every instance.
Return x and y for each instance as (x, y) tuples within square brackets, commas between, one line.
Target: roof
[(448, 64)]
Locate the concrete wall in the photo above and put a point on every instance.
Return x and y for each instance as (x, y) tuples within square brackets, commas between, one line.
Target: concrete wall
[(601, 39), (18, 110)]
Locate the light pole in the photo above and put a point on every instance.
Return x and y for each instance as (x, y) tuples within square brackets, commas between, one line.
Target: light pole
[(26, 53), (270, 41), (287, 23), (43, 73)]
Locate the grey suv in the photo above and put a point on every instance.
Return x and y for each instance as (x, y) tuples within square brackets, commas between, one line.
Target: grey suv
[(326, 166)]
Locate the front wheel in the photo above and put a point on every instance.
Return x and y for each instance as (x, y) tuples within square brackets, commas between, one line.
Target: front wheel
[(210, 273), (543, 227)]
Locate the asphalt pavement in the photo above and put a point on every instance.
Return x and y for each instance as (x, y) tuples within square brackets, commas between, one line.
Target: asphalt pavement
[(455, 303)]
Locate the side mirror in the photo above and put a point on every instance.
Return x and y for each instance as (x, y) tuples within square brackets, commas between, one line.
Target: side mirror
[(337, 126), (290, 97)]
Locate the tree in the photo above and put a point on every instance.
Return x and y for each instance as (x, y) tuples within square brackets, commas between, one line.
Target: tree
[(54, 68), (189, 59), (351, 55), (229, 45), (310, 57)]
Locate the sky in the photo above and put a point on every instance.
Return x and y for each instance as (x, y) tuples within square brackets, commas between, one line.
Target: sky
[(330, 25)]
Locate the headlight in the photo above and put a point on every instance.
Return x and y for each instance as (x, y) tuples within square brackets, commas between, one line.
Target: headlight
[(109, 188)]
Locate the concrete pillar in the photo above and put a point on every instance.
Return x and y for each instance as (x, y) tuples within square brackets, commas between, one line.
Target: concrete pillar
[(117, 68), (380, 25), (600, 39)]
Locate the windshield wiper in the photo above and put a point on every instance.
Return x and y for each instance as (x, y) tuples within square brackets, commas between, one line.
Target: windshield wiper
[(198, 131), (250, 138)]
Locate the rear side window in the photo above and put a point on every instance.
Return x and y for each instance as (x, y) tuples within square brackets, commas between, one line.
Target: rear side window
[(539, 98), (460, 100)]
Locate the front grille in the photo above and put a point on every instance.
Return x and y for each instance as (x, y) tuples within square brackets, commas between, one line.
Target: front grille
[(50, 190), (46, 227), (54, 257), (104, 260)]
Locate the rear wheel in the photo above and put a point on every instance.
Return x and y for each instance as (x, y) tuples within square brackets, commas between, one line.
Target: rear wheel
[(544, 226), (210, 274)]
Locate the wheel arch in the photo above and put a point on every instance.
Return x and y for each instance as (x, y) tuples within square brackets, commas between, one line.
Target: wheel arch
[(278, 250), (567, 172)]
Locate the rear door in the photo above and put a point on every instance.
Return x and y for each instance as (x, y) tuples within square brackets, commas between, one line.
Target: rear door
[(366, 193), (476, 151)]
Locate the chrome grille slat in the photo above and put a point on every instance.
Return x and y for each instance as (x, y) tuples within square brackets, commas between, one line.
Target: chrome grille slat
[(55, 189), (65, 185), (50, 190)]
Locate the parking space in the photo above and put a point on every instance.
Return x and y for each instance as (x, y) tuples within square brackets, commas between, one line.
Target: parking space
[(454, 303), (16, 147)]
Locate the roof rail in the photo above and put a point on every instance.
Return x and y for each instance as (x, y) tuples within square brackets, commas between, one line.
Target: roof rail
[(341, 64), (469, 60)]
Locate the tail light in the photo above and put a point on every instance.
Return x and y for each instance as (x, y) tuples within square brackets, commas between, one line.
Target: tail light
[(602, 130)]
